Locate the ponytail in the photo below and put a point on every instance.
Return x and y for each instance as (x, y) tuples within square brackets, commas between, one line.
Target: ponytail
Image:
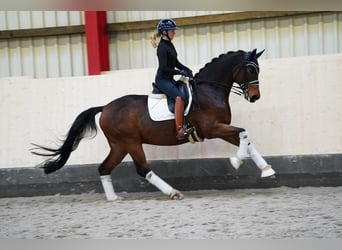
[(154, 39)]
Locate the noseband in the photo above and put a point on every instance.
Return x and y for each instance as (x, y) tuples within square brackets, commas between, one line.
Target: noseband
[(243, 87)]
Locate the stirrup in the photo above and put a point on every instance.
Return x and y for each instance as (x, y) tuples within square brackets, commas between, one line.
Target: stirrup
[(182, 136), (186, 131), (189, 129)]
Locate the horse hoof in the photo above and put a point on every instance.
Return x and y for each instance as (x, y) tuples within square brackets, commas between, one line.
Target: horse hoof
[(119, 198), (268, 172), (176, 195), (235, 162), (116, 198)]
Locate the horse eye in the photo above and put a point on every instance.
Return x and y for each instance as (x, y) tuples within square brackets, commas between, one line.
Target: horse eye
[(252, 70)]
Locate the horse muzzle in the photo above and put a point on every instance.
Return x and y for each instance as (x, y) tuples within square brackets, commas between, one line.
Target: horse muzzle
[(251, 90), (254, 98), (251, 98)]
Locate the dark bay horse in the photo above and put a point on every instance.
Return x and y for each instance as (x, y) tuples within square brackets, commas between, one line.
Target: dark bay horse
[(127, 125)]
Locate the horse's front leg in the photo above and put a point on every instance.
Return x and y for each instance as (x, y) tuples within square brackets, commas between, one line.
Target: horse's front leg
[(240, 138)]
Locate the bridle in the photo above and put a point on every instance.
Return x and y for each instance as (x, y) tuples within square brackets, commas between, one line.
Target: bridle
[(242, 88)]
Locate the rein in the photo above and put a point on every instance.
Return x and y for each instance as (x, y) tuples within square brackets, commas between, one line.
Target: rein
[(234, 89), (194, 82)]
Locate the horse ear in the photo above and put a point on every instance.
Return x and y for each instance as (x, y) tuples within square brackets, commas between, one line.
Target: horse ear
[(260, 53), (253, 54)]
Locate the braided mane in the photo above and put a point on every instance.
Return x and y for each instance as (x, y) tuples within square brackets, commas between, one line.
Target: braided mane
[(215, 59)]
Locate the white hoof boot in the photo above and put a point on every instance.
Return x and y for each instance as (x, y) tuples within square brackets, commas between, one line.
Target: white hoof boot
[(176, 195), (119, 198), (115, 198), (267, 171), (236, 162)]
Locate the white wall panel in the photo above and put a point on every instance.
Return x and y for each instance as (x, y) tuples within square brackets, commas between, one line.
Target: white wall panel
[(300, 112)]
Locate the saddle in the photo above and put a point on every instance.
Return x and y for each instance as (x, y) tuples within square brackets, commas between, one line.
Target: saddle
[(161, 107), (181, 86)]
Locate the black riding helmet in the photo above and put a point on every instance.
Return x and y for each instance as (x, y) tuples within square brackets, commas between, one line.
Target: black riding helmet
[(166, 24)]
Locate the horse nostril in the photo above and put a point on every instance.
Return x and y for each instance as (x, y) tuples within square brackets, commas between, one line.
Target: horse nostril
[(254, 98)]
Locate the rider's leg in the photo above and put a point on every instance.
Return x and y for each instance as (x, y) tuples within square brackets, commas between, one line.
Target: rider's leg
[(179, 118), (169, 88)]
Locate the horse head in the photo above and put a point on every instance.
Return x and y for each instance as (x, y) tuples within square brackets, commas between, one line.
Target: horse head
[(246, 75)]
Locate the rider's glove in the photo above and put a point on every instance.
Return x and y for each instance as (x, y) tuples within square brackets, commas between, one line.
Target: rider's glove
[(187, 73)]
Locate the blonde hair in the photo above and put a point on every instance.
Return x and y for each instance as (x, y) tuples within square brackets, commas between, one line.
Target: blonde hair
[(154, 39)]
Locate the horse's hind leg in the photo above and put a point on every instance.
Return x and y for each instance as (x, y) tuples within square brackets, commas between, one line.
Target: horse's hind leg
[(138, 155), (115, 156)]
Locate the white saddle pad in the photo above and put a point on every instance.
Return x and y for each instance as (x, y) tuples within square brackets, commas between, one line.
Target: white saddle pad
[(158, 109)]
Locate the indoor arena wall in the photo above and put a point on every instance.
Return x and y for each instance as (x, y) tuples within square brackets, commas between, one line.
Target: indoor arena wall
[(299, 112)]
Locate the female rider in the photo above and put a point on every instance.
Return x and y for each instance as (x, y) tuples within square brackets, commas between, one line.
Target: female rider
[(168, 67)]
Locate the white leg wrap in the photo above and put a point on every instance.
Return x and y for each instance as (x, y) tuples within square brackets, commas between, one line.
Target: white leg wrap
[(108, 187), (266, 170), (242, 152), (256, 157), (159, 183), (235, 162)]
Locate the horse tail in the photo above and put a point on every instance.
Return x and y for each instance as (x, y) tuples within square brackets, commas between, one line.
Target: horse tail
[(83, 125)]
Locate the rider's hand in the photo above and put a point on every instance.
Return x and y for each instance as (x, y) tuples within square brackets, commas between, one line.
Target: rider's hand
[(187, 73)]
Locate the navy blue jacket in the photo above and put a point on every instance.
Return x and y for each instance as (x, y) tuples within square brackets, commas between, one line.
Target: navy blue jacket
[(167, 58)]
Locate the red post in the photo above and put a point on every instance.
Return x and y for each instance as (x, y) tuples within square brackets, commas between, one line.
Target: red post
[(97, 41)]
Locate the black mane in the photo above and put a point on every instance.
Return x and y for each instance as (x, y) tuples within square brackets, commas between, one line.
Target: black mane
[(223, 55)]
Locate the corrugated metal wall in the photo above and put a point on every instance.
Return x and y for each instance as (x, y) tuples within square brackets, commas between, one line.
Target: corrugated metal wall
[(39, 19), (301, 35), (42, 57), (292, 36), (130, 16)]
